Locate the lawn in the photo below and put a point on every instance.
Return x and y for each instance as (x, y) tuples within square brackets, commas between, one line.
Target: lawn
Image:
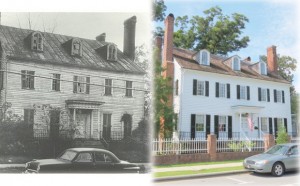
[(198, 163), (194, 172)]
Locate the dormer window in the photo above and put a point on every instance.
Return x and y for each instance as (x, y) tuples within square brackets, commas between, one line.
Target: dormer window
[(263, 68), (76, 48), (236, 64), (204, 57), (37, 41), (112, 53)]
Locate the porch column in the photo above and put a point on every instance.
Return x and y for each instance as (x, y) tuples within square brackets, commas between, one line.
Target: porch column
[(99, 124), (240, 125), (74, 115)]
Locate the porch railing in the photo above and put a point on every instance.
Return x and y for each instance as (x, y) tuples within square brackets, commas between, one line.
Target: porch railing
[(202, 135)]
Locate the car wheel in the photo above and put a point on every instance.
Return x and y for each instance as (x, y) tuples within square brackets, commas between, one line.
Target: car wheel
[(278, 169)]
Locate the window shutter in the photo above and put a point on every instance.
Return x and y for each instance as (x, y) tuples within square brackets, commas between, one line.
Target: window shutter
[(23, 79), (285, 124), (206, 88), (275, 127), (88, 79), (259, 94), (228, 90), (270, 126), (229, 126), (217, 89), (268, 94), (248, 93), (193, 123), (75, 79), (283, 97), (238, 87), (217, 125), (275, 96), (194, 87), (207, 125), (31, 79)]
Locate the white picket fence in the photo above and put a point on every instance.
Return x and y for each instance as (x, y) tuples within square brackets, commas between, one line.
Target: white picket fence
[(182, 146), (192, 146)]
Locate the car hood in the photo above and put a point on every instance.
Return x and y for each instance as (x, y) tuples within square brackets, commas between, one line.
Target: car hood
[(50, 161), (264, 156)]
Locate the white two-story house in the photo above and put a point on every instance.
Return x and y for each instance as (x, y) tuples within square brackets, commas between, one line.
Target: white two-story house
[(76, 87), (227, 96)]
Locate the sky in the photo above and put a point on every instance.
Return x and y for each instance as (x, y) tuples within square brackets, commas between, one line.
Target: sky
[(271, 22)]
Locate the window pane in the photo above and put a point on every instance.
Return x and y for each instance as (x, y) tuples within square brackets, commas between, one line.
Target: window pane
[(222, 90)]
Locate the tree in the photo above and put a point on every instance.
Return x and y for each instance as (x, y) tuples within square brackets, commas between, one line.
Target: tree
[(215, 32), (283, 136), (158, 14), (163, 113)]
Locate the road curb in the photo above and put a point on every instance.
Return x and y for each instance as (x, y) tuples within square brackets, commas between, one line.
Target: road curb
[(175, 178)]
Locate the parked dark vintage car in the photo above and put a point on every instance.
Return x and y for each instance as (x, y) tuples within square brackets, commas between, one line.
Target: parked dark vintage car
[(277, 160), (82, 160)]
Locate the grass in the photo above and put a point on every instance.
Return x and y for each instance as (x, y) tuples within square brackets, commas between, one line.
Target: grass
[(198, 163), (193, 172)]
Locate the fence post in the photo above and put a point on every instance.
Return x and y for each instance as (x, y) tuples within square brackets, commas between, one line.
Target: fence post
[(289, 138), (269, 141), (212, 146)]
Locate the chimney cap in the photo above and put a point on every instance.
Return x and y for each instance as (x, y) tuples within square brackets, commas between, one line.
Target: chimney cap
[(131, 20), (101, 37), (171, 15)]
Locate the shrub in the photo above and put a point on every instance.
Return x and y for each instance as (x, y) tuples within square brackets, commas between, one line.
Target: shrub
[(282, 135)]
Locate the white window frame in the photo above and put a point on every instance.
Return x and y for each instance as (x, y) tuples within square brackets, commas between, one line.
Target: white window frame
[(236, 64), (224, 125), (200, 120), (264, 124), (264, 94), (112, 52), (222, 90), (279, 96), (111, 87), (201, 88), (129, 89), (243, 92), (37, 41), (56, 81), (75, 51), (207, 62), (263, 68)]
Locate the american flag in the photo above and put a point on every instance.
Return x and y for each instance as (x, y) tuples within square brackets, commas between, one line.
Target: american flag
[(250, 123)]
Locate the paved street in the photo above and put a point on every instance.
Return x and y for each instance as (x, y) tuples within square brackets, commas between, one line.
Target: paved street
[(290, 179)]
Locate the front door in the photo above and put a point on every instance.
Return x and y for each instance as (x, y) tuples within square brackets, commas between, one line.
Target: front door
[(127, 119), (84, 119), (106, 130)]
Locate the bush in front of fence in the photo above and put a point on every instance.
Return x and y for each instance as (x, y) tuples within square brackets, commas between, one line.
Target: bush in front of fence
[(283, 136), (237, 146)]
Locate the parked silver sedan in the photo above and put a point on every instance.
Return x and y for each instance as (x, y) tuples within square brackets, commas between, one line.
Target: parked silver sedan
[(277, 160)]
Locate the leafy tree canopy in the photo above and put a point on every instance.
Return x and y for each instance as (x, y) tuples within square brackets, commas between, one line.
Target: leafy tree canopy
[(158, 9)]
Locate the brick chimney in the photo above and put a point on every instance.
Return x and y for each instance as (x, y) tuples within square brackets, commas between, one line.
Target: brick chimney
[(101, 37), (167, 58), (129, 37), (272, 59), (158, 44)]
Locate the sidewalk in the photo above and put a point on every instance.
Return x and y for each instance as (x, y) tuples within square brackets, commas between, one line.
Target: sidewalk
[(196, 168)]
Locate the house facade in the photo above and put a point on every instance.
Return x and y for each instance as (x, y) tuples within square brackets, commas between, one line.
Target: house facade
[(230, 97), (73, 87)]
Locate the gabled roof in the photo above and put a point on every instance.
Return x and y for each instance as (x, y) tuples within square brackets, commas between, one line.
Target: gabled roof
[(185, 58), (13, 42)]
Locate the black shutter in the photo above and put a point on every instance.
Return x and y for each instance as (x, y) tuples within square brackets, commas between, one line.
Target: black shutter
[(206, 88), (238, 87), (270, 126), (217, 125), (194, 87), (248, 93), (275, 96), (283, 97), (229, 126), (88, 79), (268, 94), (285, 124), (275, 127), (207, 125), (75, 84), (217, 89), (193, 123), (259, 94), (23, 79), (228, 90)]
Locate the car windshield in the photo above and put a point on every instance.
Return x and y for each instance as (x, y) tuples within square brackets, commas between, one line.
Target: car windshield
[(277, 150), (68, 155)]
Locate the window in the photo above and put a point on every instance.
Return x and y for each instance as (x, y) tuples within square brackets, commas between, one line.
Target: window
[(204, 57), (102, 157), (81, 84), (76, 48), (112, 53), (56, 82), (243, 92), (37, 41), (264, 125), (263, 94), (263, 68), (27, 79), (222, 124), (279, 96), (29, 116), (128, 89), (222, 90), (200, 88), (108, 87), (199, 125), (84, 157), (236, 64)]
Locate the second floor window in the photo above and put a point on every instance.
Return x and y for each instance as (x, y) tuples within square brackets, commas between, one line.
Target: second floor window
[(56, 82), (263, 94), (128, 89), (222, 90), (243, 92), (200, 88), (108, 87), (81, 84), (279, 96), (27, 79)]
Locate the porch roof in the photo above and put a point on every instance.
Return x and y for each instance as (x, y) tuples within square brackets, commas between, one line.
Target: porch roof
[(246, 109), (83, 104)]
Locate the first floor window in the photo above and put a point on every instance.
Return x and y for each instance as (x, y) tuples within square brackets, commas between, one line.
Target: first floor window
[(264, 125), (106, 120), (128, 89), (27, 79), (199, 126), (56, 82), (108, 87), (222, 124)]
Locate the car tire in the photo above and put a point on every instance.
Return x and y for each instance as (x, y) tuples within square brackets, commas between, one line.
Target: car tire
[(278, 169)]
